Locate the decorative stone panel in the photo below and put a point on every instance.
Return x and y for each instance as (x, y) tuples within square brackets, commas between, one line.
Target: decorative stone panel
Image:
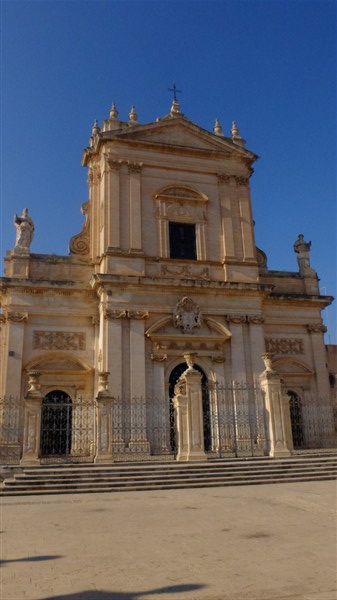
[(285, 345), (59, 340)]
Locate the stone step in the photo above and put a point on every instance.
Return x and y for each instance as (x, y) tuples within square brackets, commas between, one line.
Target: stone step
[(27, 478), (163, 485)]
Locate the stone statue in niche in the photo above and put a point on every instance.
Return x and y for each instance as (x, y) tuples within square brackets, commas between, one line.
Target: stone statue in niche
[(24, 231), (302, 248)]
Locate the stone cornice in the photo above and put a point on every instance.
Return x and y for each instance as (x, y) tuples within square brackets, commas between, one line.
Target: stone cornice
[(101, 280), (300, 299)]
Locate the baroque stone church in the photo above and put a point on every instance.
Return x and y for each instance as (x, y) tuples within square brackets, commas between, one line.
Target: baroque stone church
[(163, 332)]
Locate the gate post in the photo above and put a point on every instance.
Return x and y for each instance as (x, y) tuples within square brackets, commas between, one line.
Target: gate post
[(189, 417), (32, 421), (277, 421), (104, 420)]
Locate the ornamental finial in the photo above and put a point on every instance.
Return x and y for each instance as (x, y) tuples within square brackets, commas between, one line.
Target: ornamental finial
[(217, 128), (113, 112), (235, 131), (95, 129), (133, 116)]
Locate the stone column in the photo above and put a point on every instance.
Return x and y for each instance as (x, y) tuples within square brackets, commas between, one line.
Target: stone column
[(135, 208), (104, 420), (94, 179), (32, 421), (237, 347), (12, 368), (138, 439), (160, 398), (113, 205), (276, 417), (249, 251), (189, 416), (226, 216), (112, 347), (257, 344)]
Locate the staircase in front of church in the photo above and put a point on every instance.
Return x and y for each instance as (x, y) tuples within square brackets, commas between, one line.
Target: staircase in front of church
[(125, 477)]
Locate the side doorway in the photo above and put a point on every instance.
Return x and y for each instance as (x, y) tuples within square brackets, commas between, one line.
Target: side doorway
[(56, 424)]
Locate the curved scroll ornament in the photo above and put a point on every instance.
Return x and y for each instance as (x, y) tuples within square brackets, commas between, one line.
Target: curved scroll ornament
[(261, 258), (79, 244)]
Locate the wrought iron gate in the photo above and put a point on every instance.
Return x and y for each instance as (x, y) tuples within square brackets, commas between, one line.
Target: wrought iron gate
[(67, 428), (236, 420)]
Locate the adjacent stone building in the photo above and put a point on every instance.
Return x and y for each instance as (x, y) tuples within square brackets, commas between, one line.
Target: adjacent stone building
[(93, 343)]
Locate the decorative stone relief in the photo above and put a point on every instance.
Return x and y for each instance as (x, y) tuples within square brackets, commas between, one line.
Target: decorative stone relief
[(237, 319), (59, 340), (180, 192), (261, 259), (158, 357), (244, 181), (186, 272), (79, 244), (316, 328), (15, 317), (255, 319), (185, 211), (285, 345), (187, 315), (138, 314), (114, 165), (115, 314)]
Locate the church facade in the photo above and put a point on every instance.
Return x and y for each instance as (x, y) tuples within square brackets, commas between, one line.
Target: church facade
[(165, 273)]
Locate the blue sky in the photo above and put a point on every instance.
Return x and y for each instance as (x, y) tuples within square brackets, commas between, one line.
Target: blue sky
[(269, 65)]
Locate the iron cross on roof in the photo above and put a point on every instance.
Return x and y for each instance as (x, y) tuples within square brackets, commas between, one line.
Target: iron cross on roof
[(175, 91)]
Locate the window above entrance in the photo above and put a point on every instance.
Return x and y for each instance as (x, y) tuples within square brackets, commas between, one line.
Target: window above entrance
[(181, 214), (182, 241)]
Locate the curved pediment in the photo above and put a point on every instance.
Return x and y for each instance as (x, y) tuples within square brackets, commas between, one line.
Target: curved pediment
[(57, 363), (288, 366)]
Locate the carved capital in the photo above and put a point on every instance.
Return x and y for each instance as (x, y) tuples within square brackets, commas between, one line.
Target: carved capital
[(16, 317), (242, 181), (316, 328), (138, 314), (114, 314), (113, 165), (255, 319), (237, 319), (135, 167), (223, 178)]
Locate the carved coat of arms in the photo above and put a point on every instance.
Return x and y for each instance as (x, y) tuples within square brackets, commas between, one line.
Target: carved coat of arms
[(187, 315)]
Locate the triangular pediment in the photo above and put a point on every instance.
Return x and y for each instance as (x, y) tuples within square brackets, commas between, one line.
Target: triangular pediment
[(181, 133)]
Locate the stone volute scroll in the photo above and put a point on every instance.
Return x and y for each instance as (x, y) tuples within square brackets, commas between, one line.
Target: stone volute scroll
[(79, 244), (302, 249), (24, 232)]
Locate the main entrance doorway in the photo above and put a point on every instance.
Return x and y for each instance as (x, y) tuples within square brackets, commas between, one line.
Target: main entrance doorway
[(175, 374), (56, 424)]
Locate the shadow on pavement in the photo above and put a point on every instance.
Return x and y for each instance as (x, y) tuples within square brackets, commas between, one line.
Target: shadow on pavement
[(103, 595), (31, 558)]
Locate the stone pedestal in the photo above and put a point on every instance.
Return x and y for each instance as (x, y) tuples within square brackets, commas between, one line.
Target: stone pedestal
[(189, 416), (104, 427), (277, 418), (32, 429)]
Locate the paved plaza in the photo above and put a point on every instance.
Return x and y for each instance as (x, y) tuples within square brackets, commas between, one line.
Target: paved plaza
[(268, 542)]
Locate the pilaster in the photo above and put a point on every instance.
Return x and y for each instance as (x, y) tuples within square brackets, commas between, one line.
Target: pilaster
[(138, 439), (257, 343), (12, 368), (135, 208), (236, 322), (113, 205), (226, 216)]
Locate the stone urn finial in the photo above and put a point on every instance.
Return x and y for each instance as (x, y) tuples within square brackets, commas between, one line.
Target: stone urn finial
[(34, 381), (190, 359), (267, 358)]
